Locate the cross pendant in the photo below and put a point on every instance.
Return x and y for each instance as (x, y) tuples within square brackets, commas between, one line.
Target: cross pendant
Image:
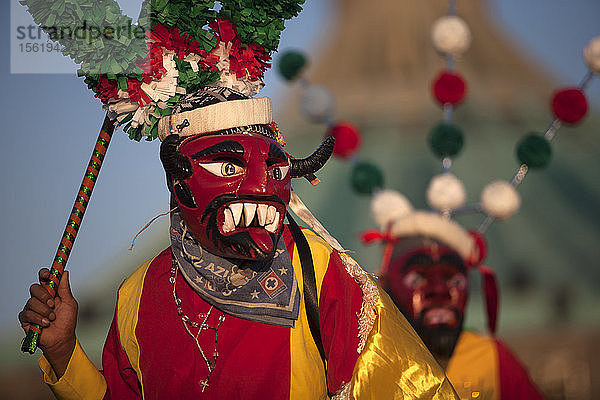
[(204, 384)]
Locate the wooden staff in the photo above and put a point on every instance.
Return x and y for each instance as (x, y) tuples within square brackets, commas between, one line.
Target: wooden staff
[(68, 238)]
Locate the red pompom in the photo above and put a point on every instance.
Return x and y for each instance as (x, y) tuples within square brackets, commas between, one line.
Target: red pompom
[(347, 139), (449, 88), (569, 105)]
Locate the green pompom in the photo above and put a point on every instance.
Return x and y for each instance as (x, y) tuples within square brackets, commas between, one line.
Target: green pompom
[(366, 177), (291, 64), (534, 151), (446, 140)]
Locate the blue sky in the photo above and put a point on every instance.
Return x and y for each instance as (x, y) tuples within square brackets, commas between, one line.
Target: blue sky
[(51, 122)]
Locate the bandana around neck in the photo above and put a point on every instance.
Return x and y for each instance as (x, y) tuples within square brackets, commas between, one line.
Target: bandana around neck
[(266, 292)]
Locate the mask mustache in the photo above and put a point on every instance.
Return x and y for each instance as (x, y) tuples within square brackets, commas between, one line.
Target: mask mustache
[(240, 243), (420, 320)]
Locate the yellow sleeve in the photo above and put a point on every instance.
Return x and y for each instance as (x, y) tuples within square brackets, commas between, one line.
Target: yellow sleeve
[(395, 364), (81, 380)]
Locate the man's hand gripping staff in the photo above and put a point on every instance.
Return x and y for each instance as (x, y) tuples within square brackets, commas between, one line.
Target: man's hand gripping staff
[(44, 307)]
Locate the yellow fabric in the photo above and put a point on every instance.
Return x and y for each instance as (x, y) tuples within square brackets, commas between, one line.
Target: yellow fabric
[(473, 367), (81, 380), (394, 346), (127, 316), (307, 381)]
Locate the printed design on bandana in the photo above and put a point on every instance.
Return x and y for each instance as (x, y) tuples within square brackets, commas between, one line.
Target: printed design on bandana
[(256, 293), (271, 283)]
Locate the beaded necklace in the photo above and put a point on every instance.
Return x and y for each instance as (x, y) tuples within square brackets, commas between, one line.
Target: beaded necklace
[(200, 326)]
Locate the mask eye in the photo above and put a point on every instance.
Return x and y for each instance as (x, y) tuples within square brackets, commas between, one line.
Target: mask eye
[(279, 173), (413, 279), (225, 168), (457, 280)]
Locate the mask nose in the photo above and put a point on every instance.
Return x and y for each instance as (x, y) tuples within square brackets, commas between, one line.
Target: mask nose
[(437, 289), (255, 179)]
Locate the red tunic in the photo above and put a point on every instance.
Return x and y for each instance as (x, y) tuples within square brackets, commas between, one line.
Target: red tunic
[(149, 354)]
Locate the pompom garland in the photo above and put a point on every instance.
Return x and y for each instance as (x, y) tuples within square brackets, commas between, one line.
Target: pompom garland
[(569, 105), (317, 104), (291, 64), (347, 139), (591, 55), (449, 88), (500, 199), (446, 140), (446, 192), (534, 151), (450, 35), (387, 206), (366, 178)]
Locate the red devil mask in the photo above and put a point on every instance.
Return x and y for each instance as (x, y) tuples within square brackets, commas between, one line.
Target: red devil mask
[(429, 284), (233, 193)]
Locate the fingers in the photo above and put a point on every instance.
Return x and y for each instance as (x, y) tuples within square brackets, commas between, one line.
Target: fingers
[(40, 308), (40, 293), (64, 287), (28, 316), (44, 275)]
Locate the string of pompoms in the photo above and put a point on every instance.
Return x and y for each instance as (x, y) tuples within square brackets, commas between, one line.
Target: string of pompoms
[(569, 106), (318, 105), (499, 200)]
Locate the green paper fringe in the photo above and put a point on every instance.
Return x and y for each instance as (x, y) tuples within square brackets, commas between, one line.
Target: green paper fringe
[(189, 16), (82, 27), (257, 21), (260, 21)]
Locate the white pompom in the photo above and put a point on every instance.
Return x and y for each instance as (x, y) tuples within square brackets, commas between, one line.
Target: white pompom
[(500, 200), (591, 55), (446, 192), (450, 35), (318, 104), (389, 205)]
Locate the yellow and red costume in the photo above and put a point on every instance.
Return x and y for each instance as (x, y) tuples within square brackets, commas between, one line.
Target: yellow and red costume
[(482, 367), (371, 350)]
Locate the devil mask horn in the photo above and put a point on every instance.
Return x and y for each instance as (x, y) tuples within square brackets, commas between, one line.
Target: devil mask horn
[(314, 162)]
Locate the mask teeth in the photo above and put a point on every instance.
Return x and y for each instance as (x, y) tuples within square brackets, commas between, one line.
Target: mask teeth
[(236, 209), (261, 214), (228, 224), (272, 227), (243, 215), (249, 212)]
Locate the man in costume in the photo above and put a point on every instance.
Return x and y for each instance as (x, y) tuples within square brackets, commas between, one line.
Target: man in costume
[(240, 305), (230, 310), (425, 268)]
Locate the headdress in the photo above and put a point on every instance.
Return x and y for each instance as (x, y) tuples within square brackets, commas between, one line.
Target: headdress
[(176, 47)]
